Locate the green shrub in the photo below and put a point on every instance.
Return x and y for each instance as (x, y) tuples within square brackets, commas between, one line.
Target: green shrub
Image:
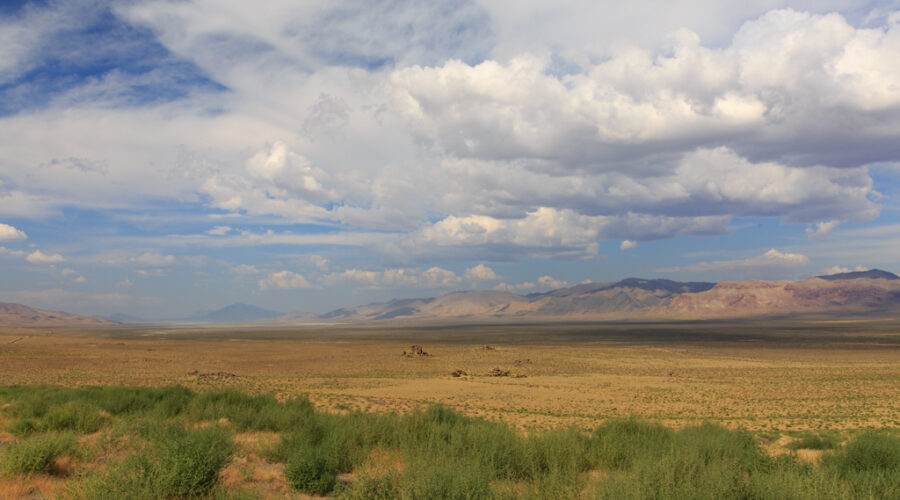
[(451, 480), (76, 416), (618, 443), (560, 451), (790, 480), (311, 469), (35, 402), (499, 449), (444, 454), (868, 452), (384, 487), (192, 459), (246, 412), (869, 464), (710, 443), (167, 402), (36, 454), (813, 443), (177, 463), (24, 426), (696, 462)]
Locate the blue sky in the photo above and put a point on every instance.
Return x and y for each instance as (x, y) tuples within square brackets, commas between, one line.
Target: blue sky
[(158, 157)]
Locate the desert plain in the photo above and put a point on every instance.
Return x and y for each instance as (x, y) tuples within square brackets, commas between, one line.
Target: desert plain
[(781, 380), (754, 375)]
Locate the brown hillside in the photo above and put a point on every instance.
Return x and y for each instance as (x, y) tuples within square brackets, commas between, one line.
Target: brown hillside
[(20, 315)]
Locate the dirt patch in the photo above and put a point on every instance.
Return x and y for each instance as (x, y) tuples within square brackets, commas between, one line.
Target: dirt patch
[(63, 466), (252, 441), (37, 486), (811, 456), (259, 476), (382, 462)]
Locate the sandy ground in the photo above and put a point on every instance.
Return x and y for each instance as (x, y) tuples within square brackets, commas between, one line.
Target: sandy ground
[(757, 376)]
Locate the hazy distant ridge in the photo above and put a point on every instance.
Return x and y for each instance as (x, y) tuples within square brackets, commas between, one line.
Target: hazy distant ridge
[(236, 313), (18, 314), (872, 274)]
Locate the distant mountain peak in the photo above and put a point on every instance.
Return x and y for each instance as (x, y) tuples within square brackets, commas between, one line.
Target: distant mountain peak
[(237, 313), (871, 274)]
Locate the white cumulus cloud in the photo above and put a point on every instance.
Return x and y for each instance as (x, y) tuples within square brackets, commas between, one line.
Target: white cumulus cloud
[(821, 229), (283, 280), (9, 233), (839, 269), (433, 277), (480, 272), (38, 257), (151, 259), (544, 283), (219, 231)]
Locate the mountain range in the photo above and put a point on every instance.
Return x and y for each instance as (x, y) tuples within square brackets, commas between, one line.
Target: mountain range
[(17, 314), (852, 293), (863, 292)]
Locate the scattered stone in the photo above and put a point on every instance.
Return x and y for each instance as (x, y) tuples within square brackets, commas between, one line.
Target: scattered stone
[(415, 350), (458, 373), (520, 362), (497, 372)]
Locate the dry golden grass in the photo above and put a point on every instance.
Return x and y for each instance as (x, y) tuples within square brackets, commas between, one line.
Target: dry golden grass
[(249, 472), (758, 376), (32, 487)]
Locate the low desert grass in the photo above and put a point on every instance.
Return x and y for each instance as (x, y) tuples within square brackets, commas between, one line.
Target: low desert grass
[(175, 443), (813, 442), (176, 463), (36, 454)]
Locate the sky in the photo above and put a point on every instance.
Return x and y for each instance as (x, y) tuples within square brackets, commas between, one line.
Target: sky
[(163, 157)]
